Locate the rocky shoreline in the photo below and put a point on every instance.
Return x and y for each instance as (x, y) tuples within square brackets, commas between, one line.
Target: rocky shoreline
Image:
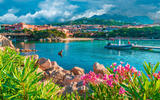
[(70, 80)]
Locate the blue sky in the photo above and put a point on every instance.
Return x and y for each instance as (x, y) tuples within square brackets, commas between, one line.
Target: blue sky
[(47, 11)]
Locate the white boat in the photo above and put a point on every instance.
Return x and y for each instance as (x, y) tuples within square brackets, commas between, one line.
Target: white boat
[(25, 40), (118, 46), (123, 46)]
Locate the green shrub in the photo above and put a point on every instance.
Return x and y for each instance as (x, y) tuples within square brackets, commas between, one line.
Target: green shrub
[(19, 78)]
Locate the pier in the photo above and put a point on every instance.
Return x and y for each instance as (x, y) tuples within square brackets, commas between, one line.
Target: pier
[(140, 47)]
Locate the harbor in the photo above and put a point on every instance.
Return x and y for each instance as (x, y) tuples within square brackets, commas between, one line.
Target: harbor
[(140, 47), (85, 53)]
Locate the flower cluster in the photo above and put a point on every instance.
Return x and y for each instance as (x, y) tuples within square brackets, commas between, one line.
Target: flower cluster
[(119, 75), (156, 75), (91, 77), (125, 72)]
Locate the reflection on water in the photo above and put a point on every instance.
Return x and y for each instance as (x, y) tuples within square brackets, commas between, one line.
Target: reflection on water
[(23, 45), (85, 53)]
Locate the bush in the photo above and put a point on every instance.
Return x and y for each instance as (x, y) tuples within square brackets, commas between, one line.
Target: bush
[(19, 78), (124, 82)]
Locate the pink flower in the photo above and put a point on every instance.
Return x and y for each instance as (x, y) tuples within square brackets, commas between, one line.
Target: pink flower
[(121, 62), (84, 83), (114, 64), (155, 75), (110, 76), (114, 70), (127, 67), (105, 77), (111, 66), (121, 90), (149, 76), (97, 76), (116, 77), (133, 70), (110, 83), (139, 73)]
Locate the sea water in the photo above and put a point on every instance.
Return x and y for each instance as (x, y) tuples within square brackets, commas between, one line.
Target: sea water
[(85, 53)]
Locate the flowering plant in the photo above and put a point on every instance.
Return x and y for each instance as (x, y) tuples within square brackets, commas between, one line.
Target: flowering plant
[(124, 81)]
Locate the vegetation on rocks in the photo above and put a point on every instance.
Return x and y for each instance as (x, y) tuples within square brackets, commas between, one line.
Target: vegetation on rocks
[(147, 32), (48, 34), (53, 33)]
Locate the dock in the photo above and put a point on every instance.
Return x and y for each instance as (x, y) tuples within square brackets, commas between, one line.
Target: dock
[(140, 47)]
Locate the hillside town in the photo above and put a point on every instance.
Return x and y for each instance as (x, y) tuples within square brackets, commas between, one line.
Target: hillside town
[(70, 30)]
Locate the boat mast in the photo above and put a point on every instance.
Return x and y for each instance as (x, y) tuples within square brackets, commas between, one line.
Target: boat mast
[(119, 42)]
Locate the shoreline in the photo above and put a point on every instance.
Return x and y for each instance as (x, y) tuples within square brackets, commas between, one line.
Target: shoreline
[(77, 39), (89, 39), (85, 39)]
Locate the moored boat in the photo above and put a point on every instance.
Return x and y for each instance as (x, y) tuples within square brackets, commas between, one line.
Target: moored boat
[(122, 46), (119, 46)]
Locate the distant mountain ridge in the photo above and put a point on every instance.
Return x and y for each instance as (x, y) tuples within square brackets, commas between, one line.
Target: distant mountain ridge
[(135, 19), (107, 19)]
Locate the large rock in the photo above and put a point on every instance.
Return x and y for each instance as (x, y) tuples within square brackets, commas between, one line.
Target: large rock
[(5, 42), (68, 79), (74, 87), (55, 66), (77, 71), (44, 64), (100, 69), (57, 73), (28, 50)]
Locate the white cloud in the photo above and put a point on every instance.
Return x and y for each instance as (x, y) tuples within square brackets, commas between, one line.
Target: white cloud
[(53, 10), (89, 13), (155, 16), (8, 18), (13, 10), (50, 10)]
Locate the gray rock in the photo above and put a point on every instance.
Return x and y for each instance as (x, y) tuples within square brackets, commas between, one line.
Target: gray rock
[(100, 69), (77, 71), (44, 64)]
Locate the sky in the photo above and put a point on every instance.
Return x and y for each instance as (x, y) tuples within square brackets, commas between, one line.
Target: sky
[(50, 11)]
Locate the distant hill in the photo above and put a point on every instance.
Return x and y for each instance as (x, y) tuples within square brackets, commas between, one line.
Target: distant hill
[(135, 19), (92, 21), (108, 19)]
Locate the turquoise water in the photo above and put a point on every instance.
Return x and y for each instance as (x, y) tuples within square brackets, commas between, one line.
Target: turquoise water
[(85, 53)]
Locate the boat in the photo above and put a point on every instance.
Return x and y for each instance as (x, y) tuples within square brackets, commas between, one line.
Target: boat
[(25, 40), (118, 46), (122, 46)]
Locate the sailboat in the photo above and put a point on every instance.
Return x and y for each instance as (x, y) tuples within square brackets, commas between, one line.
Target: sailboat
[(118, 46)]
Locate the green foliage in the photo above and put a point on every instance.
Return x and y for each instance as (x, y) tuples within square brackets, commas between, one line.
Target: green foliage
[(148, 32), (38, 34), (19, 79), (48, 34), (90, 34), (92, 21), (144, 87)]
